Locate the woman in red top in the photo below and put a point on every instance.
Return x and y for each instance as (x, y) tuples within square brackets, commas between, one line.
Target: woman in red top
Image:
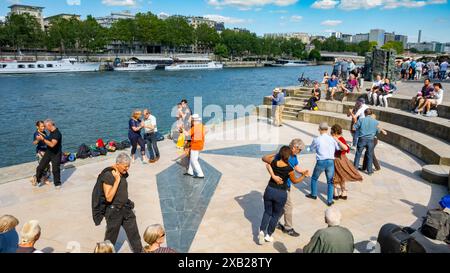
[(343, 168)]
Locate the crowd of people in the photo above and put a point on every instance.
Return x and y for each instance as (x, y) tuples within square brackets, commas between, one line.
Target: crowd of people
[(411, 69)]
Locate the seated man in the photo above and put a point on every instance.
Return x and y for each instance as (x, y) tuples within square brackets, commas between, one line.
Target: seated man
[(316, 93), (332, 86), (352, 83), (373, 91), (435, 99), (333, 239), (420, 99)]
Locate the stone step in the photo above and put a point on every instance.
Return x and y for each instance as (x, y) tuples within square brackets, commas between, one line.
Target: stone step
[(437, 174), (429, 149), (434, 126)]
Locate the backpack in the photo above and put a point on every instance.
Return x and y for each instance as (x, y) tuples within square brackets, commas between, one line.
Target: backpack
[(72, 157), (119, 146), (83, 151), (100, 143), (436, 225), (126, 144), (64, 158), (103, 151), (95, 153), (395, 239), (98, 199)]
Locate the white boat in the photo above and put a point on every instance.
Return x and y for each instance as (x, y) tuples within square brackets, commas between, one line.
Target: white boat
[(290, 63), (193, 64), (134, 66), (61, 66)]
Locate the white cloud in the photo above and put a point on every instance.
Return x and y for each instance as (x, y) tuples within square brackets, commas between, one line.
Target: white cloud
[(331, 23), (73, 2), (226, 20), (386, 4), (2, 18), (324, 4), (129, 3), (329, 30), (248, 4), (279, 11), (296, 18)]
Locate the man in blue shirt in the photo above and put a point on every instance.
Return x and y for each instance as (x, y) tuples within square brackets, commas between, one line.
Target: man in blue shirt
[(275, 108), (332, 86), (367, 128), (325, 147), (296, 146)]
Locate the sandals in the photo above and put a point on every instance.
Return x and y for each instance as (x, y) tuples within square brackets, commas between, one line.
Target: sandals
[(336, 197), (342, 197)]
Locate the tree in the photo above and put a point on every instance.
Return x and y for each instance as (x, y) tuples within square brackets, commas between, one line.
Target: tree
[(177, 32), (64, 34), (314, 55), (23, 31), (92, 36), (221, 51), (125, 31), (206, 37), (149, 29), (396, 45)]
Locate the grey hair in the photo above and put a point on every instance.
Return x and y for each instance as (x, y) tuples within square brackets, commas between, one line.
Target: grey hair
[(298, 143), (123, 158), (49, 121), (30, 232), (146, 110), (333, 217)]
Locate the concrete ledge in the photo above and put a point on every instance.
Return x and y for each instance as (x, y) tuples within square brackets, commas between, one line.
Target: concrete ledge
[(436, 174), (434, 126), (428, 149)]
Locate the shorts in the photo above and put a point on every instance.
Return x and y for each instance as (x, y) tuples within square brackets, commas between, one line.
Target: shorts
[(433, 101)]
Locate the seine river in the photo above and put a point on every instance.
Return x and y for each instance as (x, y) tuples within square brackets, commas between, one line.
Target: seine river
[(88, 106)]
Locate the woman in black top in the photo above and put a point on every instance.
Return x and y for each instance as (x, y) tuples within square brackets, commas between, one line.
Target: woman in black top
[(275, 195)]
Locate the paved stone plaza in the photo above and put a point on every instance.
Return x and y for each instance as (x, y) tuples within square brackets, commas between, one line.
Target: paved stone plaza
[(221, 213)]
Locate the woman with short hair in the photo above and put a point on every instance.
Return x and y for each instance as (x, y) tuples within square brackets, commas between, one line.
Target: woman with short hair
[(104, 247), (29, 235), (435, 100), (135, 126), (154, 236), (343, 168), (387, 90)]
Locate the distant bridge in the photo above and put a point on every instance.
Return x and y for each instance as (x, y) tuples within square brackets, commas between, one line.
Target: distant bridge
[(331, 56)]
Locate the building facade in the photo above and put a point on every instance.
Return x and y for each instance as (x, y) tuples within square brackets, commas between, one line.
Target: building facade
[(377, 35), (31, 10), (403, 39), (107, 21), (347, 38), (48, 20), (389, 37), (360, 37), (302, 36)]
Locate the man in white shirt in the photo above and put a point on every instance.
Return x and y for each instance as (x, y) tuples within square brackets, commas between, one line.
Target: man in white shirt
[(443, 70), (356, 114), (375, 87), (150, 135), (430, 66), (419, 69)]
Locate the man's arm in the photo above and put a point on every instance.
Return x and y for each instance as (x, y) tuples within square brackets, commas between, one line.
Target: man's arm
[(268, 158), (110, 191)]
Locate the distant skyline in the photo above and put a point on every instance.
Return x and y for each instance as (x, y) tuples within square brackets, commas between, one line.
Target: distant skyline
[(275, 16)]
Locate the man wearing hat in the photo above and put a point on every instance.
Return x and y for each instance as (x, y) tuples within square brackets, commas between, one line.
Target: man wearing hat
[(277, 103), (197, 134), (325, 147)]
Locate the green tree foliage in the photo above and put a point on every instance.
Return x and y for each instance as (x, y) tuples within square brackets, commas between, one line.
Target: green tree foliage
[(93, 37), (64, 34), (335, 45), (206, 37), (396, 45), (177, 32), (22, 31), (314, 55), (125, 31), (149, 29), (221, 51)]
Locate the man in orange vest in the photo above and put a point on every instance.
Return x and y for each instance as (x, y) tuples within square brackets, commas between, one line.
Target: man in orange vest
[(197, 134)]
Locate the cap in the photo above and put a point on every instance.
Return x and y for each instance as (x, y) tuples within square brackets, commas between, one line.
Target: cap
[(323, 126)]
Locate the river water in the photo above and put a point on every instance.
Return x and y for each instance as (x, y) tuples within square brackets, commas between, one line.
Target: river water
[(88, 106)]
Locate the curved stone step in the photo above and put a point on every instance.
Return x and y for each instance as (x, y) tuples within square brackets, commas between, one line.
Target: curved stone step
[(429, 149), (437, 174), (435, 126)]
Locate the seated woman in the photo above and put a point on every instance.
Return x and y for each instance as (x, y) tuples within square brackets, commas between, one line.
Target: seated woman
[(387, 91), (154, 236), (352, 83), (275, 195), (372, 96), (316, 93), (436, 98)]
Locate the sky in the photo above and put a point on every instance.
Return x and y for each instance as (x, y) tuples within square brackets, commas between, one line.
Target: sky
[(274, 16)]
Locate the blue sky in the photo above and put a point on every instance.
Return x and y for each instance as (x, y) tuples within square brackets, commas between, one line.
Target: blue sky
[(267, 16)]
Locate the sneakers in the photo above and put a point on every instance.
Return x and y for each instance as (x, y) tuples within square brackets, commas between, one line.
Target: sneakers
[(57, 187), (311, 196), (261, 238), (281, 227), (268, 238), (292, 233), (330, 203)]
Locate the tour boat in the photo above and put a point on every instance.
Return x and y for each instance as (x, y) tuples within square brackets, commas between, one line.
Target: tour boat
[(290, 63), (134, 66), (60, 66), (193, 64)]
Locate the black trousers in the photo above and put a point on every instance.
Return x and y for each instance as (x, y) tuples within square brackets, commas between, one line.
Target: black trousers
[(135, 140), (124, 217), (375, 160), (56, 167)]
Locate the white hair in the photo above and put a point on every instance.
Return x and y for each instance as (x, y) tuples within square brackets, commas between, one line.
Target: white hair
[(123, 158), (333, 217), (49, 121), (30, 232)]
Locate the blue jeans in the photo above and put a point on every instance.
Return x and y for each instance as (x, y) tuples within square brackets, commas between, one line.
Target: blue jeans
[(327, 166), (152, 145), (355, 138), (442, 74), (368, 144), (430, 74), (274, 201)]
